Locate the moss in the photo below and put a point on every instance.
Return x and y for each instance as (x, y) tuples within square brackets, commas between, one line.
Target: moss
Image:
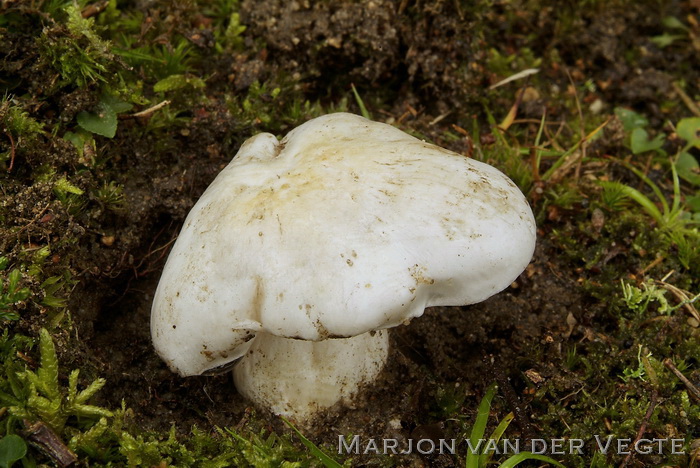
[(109, 437), (78, 54), (19, 128)]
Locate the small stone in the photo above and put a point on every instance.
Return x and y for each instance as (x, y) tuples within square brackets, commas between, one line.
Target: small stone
[(596, 106)]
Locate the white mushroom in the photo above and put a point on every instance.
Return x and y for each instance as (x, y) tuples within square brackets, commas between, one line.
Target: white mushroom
[(303, 251)]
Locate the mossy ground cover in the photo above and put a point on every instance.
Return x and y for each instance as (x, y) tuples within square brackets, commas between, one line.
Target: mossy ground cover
[(115, 116)]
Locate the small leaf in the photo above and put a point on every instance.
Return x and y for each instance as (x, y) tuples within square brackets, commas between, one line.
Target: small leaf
[(235, 28), (170, 83), (63, 186), (116, 104), (102, 122), (13, 285), (688, 168), (54, 302), (689, 130), (630, 119), (76, 139), (672, 22), (12, 448), (665, 39), (640, 142), (694, 204), (14, 292), (82, 140)]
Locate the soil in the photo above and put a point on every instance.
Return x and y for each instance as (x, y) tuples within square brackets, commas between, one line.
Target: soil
[(416, 61), (473, 345)]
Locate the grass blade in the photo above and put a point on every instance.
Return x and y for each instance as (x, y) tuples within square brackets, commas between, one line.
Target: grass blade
[(326, 459), (655, 188), (361, 104), (521, 457), (496, 436), (479, 427), (536, 147), (675, 209), (643, 201)]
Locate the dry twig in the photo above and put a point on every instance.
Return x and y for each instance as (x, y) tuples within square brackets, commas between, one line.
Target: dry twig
[(692, 389), (642, 427)]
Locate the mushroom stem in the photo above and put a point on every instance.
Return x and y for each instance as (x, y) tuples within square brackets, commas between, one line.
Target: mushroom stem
[(297, 378)]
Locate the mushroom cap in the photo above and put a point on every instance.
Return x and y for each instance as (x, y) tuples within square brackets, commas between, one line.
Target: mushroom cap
[(342, 227)]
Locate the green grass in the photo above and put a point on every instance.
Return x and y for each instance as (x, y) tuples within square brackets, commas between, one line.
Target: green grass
[(478, 457)]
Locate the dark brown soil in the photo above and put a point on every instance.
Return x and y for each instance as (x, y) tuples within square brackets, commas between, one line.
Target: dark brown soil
[(522, 328)]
